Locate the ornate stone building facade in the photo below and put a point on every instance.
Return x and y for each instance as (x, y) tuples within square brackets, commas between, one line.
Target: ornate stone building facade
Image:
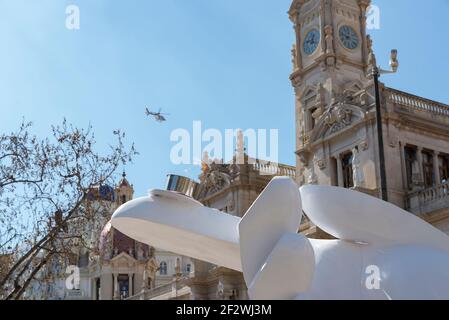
[(336, 121), (113, 266)]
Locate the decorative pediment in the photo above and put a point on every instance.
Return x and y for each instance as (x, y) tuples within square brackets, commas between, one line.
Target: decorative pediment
[(314, 96), (123, 260), (335, 119), (308, 93)]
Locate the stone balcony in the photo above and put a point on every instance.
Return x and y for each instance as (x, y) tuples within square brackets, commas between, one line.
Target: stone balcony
[(275, 169), (428, 200), (418, 106)]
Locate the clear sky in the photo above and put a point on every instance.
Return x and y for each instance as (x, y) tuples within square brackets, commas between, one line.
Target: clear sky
[(224, 62)]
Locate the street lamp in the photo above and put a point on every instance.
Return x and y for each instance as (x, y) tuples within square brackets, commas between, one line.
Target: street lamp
[(376, 73)]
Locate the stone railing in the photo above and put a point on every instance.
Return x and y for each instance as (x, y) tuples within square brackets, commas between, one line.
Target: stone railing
[(170, 289), (429, 200), (417, 104), (305, 139), (275, 169)]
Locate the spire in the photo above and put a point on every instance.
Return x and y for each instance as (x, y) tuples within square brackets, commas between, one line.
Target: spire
[(124, 182)]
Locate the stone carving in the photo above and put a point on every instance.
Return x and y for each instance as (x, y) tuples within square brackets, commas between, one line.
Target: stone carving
[(338, 118), (294, 58), (240, 150), (347, 96), (364, 145), (217, 176), (149, 274), (178, 267), (363, 98), (329, 39), (321, 163), (217, 179), (357, 171), (372, 61)]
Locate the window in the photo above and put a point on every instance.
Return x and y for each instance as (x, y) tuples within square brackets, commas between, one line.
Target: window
[(443, 161), (123, 285), (97, 288), (410, 158), (188, 268), (348, 179), (428, 169), (312, 119), (123, 199), (163, 268)]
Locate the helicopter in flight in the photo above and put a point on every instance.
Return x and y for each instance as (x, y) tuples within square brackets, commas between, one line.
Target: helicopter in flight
[(158, 116)]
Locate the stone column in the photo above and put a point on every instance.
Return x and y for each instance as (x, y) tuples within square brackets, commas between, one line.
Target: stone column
[(403, 166), (307, 121), (340, 171), (116, 288), (298, 31), (436, 168), (363, 7), (130, 284)]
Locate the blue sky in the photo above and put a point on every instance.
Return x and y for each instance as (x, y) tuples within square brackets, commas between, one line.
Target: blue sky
[(224, 62)]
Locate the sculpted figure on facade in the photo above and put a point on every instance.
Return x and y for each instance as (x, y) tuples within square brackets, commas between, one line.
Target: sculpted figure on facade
[(358, 175), (294, 57), (151, 268), (329, 38), (371, 56)]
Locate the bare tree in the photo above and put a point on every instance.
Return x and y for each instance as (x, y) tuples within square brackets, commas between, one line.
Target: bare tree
[(45, 185)]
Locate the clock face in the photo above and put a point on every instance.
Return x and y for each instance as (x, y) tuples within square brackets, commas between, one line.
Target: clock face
[(349, 37), (311, 41)]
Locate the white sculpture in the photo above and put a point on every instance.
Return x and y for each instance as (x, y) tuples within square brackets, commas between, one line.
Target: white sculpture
[(357, 171), (381, 251)]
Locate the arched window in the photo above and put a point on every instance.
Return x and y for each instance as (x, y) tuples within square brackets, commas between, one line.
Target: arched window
[(123, 199), (163, 268)]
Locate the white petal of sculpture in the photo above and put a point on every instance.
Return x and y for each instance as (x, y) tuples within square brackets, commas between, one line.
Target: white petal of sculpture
[(381, 251)]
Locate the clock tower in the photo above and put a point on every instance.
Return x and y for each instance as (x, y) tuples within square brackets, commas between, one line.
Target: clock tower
[(331, 57)]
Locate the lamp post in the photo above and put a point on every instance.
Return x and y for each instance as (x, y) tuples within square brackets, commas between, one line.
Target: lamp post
[(376, 73)]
